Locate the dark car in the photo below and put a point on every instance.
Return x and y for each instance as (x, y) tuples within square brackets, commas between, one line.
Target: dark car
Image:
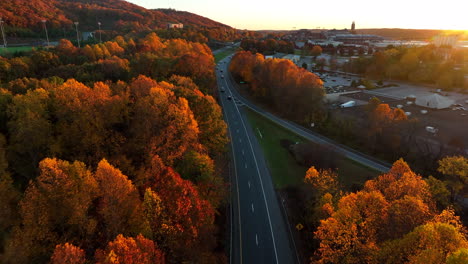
[(229, 97)]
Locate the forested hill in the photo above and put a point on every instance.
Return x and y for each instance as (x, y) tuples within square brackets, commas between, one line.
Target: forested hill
[(23, 17)]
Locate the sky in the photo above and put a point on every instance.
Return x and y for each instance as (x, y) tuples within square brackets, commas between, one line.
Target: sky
[(329, 14)]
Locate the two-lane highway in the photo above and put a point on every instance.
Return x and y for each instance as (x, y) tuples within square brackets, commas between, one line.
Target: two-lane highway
[(258, 230)]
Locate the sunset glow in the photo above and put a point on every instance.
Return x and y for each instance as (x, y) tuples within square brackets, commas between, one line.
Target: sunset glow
[(255, 15)]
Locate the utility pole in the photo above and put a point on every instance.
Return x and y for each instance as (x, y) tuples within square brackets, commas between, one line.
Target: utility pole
[(47, 34), (3, 33), (77, 35), (99, 25)]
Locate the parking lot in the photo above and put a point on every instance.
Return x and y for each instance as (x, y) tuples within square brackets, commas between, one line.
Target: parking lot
[(404, 90), (336, 83)]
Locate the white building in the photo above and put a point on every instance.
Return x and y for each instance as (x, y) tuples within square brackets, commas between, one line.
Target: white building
[(174, 25), (435, 101)]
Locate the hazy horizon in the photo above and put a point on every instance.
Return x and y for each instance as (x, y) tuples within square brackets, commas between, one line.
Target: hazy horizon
[(265, 15)]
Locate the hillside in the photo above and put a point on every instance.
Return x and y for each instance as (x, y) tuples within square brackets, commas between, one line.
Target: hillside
[(23, 18)]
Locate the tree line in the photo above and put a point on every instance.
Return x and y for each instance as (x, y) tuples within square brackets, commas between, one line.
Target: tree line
[(281, 84), (426, 64), (118, 166), (267, 46), (121, 59)]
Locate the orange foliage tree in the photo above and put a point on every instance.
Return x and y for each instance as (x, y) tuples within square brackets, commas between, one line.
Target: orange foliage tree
[(50, 215), (119, 204), (163, 124), (388, 208), (68, 254), (323, 181), (179, 218), (279, 82), (129, 250)]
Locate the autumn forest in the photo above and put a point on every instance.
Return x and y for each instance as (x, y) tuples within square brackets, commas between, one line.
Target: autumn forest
[(119, 149), (97, 154)]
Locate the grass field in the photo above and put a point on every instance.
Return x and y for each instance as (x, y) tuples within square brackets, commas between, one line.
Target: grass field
[(11, 50), (283, 167), (224, 54)]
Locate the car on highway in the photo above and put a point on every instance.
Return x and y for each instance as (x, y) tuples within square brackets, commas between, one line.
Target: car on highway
[(229, 97), (222, 89), (222, 76)]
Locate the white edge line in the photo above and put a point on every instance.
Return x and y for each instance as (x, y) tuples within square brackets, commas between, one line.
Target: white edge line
[(258, 173), (237, 187)]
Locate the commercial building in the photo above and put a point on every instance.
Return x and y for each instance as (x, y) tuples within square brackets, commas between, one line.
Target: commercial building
[(357, 38)]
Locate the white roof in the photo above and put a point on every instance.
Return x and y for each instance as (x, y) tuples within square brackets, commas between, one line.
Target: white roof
[(435, 101), (361, 87)]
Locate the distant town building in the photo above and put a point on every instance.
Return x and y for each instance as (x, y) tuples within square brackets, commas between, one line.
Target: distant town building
[(400, 43), (446, 40), (299, 44), (85, 36), (353, 27), (356, 38), (175, 25), (293, 58), (334, 32), (324, 43)]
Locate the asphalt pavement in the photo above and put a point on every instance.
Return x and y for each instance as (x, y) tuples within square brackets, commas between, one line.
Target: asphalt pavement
[(259, 233), (309, 134)]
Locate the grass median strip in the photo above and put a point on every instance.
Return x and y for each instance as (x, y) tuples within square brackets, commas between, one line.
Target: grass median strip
[(284, 168), (224, 54)]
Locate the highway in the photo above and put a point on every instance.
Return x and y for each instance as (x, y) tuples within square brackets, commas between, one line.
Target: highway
[(308, 134), (259, 233)]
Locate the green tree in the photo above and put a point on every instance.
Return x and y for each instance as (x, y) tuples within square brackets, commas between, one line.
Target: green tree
[(30, 131), (439, 191), (456, 171)]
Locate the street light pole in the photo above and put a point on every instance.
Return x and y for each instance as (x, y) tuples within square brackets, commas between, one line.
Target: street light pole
[(99, 25), (47, 34), (3, 32), (77, 36)]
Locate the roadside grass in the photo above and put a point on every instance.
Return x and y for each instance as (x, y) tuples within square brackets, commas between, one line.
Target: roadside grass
[(352, 174), (11, 50), (284, 168), (224, 54)]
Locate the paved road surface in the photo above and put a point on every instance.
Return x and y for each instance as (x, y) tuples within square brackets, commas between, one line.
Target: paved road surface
[(308, 134), (259, 233)]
